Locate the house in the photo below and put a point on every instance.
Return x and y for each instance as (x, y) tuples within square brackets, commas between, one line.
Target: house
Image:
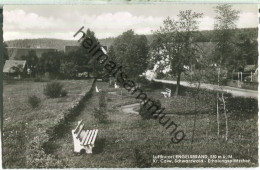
[(250, 73), (15, 68)]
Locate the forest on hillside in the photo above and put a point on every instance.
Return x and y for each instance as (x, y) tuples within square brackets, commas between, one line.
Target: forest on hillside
[(201, 36), (51, 43)]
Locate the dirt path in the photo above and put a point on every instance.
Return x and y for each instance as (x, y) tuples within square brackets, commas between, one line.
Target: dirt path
[(130, 108), (233, 90)]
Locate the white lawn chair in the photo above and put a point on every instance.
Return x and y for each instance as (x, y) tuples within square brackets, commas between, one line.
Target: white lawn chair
[(97, 90), (116, 86), (167, 93), (83, 140)]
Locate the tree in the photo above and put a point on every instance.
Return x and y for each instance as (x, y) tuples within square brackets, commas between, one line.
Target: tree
[(111, 53), (50, 62), (131, 51), (31, 60), (174, 44), (68, 69), (79, 59), (225, 23), (246, 52), (93, 65), (82, 60)]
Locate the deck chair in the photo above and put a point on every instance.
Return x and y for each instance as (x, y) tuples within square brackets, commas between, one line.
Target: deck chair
[(167, 93)]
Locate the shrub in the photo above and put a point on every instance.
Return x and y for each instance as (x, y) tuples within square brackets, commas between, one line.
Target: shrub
[(141, 161), (63, 93), (156, 85), (54, 90), (100, 113), (102, 100), (144, 81), (37, 158), (242, 105), (145, 112), (34, 101)]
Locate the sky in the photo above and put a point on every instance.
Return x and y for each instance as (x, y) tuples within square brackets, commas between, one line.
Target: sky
[(63, 21)]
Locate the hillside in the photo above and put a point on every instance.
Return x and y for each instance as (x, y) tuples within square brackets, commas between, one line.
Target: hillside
[(41, 42), (202, 36), (50, 43)]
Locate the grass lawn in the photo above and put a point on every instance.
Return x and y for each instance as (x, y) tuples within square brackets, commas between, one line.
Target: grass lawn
[(128, 141), (22, 123)]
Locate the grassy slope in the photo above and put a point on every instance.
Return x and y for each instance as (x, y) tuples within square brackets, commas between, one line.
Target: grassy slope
[(22, 123), (124, 133)]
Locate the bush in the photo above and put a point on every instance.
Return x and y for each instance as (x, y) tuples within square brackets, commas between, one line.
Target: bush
[(37, 158), (156, 85), (141, 160), (144, 81), (102, 100), (63, 93), (147, 114), (54, 90), (242, 105), (160, 75), (34, 101), (100, 113)]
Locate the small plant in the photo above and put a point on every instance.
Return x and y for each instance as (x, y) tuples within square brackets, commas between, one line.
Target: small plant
[(34, 101), (102, 100), (140, 160), (54, 90), (100, 113), (63, 93), (146, 112)]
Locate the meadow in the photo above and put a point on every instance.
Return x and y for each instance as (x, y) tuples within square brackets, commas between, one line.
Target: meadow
[(125, 139), (22, 123)]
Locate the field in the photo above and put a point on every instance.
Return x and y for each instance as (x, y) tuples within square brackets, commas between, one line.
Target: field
[(126, 140), (23, 123)]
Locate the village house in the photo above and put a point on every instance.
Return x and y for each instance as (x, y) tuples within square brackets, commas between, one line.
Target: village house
[(15, 68)]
